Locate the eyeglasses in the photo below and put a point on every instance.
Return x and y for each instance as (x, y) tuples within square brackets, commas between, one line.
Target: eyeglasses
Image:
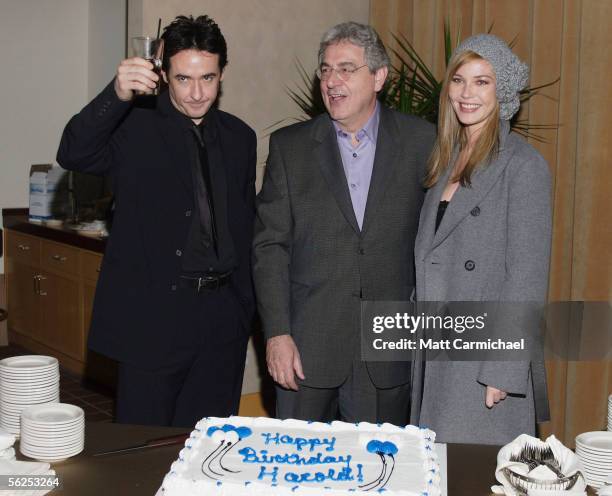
[(344, 72)]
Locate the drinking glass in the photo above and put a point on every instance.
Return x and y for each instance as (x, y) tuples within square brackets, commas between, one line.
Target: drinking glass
[(151, 49)]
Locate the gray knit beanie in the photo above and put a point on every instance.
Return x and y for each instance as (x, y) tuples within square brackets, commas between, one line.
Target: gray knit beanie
[(510, 73)]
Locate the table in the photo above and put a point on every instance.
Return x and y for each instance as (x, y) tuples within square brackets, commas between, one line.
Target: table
[(140, 473)]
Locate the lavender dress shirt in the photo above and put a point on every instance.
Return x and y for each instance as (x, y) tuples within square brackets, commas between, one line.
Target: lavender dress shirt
[(358, 161)]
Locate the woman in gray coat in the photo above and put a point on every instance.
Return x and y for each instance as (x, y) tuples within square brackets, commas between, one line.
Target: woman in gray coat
[(484, 234)]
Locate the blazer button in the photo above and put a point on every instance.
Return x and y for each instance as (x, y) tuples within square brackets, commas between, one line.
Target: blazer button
[(173, 287), (470, 265), (475, 211), (187, 213), (179, 253), (361, 251)]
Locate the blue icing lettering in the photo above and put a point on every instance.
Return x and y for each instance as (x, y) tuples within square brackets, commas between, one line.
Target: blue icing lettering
[(319, 477), (360, 472), (299, 442), (263, 473), (250, 455)]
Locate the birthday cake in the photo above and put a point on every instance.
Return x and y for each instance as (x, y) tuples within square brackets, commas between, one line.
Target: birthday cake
[(238, 456)]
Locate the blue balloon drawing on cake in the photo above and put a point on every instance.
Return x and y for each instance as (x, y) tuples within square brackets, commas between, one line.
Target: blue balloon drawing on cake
[(386, 451), (228, 436)]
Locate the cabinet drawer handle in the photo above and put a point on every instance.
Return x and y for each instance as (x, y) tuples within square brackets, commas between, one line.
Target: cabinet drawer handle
[(37, 290), (23, 247), (98, 268), (40, 291), (59, 258)]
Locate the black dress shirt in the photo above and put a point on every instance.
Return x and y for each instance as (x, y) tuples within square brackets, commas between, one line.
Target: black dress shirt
[(209, 247)]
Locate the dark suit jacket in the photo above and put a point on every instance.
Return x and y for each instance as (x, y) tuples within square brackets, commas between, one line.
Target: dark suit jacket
[(146, 153), (312, 264)]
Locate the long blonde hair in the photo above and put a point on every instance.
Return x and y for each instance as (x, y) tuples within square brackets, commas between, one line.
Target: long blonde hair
[(452, 134)]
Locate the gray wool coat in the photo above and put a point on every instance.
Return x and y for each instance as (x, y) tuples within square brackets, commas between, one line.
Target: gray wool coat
[(493, 244)]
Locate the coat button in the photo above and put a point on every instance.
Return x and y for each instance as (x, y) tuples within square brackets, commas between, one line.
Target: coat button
[(187, 213), (470, 265), (179, 253), (173, 287), (361, 251), (475, 211)]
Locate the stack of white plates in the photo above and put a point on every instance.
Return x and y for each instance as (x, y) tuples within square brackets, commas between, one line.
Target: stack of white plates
[(24, 381), (610, 413), (52, 432), (595, 451)]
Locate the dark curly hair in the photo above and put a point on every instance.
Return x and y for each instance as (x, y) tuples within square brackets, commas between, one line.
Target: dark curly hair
[(186, 33)]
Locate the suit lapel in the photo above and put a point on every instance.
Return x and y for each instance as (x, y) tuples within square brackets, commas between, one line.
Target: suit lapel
[(327, 155), (174, 134), (387, 146), (466, 199)]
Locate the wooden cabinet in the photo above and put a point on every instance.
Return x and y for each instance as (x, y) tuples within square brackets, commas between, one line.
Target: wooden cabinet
[(50, 289)]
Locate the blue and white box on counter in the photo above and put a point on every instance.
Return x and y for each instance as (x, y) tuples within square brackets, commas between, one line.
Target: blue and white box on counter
[(44, 184)]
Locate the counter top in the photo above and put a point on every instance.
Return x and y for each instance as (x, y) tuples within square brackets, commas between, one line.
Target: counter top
[(17, 220)]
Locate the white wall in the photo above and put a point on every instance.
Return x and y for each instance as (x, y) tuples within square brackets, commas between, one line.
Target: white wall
[(107, 35), (49, 70)]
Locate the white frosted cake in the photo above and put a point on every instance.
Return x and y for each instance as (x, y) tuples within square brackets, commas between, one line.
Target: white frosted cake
[(238, 456)]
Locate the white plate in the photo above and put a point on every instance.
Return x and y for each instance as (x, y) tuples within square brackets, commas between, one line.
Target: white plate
[(21, 377), (43, 396), (34, 381), (19, 406), (51, 436), (32, 389), (28, 440), (28, 362), (53, 414), (33, 394), (78, 423), (39, 454), (596, 465), (597, 440), (51, 450), (601, 472), (26, 382), (52, 459)]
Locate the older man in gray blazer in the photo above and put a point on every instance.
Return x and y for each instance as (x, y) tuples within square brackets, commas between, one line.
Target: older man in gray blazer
[(336, 222)]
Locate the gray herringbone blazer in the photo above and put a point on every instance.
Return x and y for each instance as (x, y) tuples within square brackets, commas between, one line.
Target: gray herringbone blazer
[(312, 265), (493, 244)]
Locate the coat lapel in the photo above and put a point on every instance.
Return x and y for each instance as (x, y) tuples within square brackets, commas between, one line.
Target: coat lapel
[(429, 212), (465, 199), (174, 133), (387, 146), (327, 155)]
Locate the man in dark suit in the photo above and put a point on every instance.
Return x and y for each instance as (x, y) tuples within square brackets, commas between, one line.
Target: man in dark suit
[(174, 300), (335, 224)]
